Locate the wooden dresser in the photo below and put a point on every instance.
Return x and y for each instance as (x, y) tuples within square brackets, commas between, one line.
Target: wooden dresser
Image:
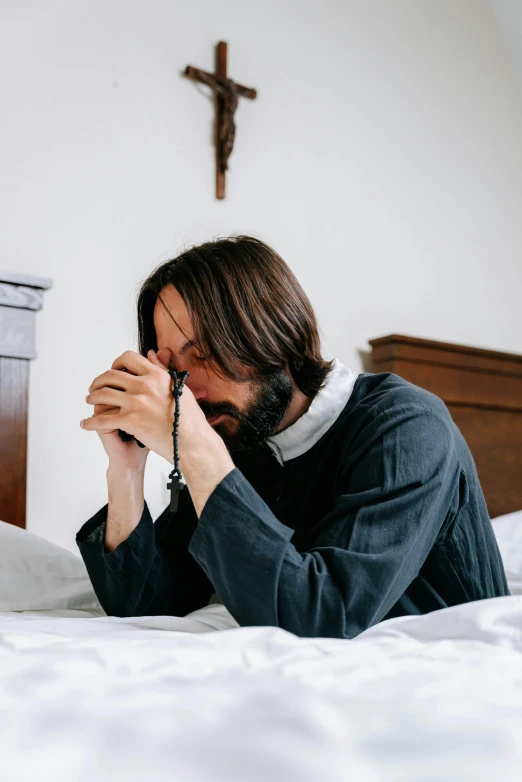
[(20, 298)]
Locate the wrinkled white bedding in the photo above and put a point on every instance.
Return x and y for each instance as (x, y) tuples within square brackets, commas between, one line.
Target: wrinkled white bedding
[(437, 697)]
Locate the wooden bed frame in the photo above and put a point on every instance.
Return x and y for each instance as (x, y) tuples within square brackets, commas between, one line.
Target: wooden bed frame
[(20, 297), (483, 392)]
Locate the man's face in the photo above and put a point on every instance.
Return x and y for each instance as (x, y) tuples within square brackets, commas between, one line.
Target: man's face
[(243, 414)]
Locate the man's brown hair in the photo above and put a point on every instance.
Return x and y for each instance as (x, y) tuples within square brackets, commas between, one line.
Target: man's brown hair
[(247, 310)]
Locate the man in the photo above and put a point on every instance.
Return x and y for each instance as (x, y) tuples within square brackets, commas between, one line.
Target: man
[(317, 500)]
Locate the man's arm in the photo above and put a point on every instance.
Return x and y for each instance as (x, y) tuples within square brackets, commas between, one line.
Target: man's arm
[(125, 508), (151, 571), (137, 567), (395, 488)]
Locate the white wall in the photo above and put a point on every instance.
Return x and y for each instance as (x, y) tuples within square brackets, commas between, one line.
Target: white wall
[(509, 15), (383, 159)]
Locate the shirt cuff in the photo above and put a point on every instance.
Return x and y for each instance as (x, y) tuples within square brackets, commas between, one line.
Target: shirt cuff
[(92, 534), (94, 529)]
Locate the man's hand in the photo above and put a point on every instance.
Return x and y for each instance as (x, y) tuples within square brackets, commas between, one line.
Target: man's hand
[(126, 458), (139, 401)]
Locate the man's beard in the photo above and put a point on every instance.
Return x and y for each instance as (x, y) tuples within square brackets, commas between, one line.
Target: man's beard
[(272, 397)]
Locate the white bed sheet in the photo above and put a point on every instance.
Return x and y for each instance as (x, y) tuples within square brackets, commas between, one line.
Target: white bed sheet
[(508, 532), (436, 697)]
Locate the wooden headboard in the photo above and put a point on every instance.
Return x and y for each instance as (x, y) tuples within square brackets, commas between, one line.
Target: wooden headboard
[(483, 392), (20, 297)]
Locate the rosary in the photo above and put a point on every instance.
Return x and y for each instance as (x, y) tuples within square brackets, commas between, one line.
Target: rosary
[(177, 482)]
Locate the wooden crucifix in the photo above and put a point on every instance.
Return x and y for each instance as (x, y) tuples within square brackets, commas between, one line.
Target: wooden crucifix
[(227, 94)]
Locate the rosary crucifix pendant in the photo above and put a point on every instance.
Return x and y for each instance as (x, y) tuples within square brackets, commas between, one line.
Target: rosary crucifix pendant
[(175, 486)]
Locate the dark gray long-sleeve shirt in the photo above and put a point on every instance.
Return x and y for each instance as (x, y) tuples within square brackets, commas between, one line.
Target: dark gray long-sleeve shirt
[(382, 516)]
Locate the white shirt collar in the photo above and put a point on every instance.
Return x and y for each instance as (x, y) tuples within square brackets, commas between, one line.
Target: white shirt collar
[(326, 407)]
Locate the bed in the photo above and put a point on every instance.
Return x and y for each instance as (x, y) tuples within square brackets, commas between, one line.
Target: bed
[(84, 696)]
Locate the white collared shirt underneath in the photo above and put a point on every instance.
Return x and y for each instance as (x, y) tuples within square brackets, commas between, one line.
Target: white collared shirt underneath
[(324, 410)]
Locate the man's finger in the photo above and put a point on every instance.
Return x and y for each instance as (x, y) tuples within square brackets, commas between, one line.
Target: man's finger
[(103, 423), (161, 358), (113, 378), (132, 362), (99, 409), (106, 396)]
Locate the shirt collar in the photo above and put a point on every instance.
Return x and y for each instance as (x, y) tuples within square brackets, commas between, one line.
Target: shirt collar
[(324, 410)]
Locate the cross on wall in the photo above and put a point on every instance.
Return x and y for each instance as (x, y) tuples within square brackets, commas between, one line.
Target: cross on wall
[(227, 94)]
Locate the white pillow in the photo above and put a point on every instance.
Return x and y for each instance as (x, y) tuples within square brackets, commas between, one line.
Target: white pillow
[(37, 575), (508, 531)]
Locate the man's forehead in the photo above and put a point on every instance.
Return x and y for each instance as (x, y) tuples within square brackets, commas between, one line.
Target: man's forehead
[(170, 309), (171, 316)]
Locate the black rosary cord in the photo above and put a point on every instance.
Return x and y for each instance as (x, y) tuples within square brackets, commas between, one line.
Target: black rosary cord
[(177, 390)]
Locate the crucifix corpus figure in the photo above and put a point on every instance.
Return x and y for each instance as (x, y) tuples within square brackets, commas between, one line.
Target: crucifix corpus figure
[(227, 99)]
